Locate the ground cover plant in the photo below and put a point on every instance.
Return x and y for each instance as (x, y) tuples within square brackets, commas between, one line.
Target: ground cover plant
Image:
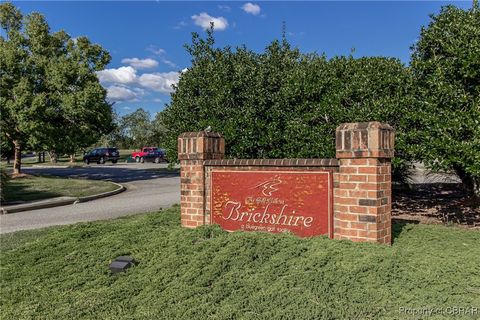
[(29, 188), (207, 273)]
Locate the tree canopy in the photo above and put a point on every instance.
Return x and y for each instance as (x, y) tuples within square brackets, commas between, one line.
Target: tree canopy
[(50, 96), (283, 103), (446, 69)]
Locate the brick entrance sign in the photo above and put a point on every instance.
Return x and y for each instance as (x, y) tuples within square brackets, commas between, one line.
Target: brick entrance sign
[(274, 201), (344, 198)]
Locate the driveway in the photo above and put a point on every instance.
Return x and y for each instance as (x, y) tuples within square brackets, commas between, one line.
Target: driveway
[(149, 188)]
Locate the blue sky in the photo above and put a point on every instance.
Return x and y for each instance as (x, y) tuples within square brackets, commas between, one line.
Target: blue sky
[(146, 38)]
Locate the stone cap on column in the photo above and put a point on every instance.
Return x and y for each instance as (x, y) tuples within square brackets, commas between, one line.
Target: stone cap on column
[(365, 140), (201, 146)]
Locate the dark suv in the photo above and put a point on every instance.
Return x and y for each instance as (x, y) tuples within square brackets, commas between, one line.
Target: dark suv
[(102, 155)]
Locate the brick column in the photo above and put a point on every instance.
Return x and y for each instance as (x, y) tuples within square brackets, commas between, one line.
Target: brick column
[(193, 149), (363, 198)]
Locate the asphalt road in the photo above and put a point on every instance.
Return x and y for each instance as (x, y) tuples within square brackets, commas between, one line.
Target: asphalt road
[(148, 189)]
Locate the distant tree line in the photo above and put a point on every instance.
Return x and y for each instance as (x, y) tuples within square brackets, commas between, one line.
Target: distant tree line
[(134, 131)]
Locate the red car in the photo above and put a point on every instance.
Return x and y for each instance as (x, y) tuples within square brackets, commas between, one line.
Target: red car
[(149, 153)]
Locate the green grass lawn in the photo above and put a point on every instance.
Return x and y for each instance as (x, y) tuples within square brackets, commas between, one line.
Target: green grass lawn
[(207, 273), (26, 162), (31, 188)]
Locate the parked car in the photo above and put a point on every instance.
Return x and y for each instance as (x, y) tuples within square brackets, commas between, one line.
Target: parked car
[(149, 154), (138, 155), (102, 155)]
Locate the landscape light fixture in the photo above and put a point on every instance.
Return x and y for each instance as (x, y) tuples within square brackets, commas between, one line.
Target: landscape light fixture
[(121, 264)]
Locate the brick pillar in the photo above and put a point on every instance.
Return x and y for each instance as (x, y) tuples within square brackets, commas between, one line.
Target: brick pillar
[(193, 149), (363, 198)]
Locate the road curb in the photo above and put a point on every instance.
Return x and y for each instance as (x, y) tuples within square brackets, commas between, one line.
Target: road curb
[(70, 166), (49, 166), (120, 189), (60, 201)]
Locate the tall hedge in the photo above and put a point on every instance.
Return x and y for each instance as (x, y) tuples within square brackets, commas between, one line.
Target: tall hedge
[(446, 68), (282, 103)]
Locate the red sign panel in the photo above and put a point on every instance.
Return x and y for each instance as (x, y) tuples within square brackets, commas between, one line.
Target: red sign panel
[(273, 201)]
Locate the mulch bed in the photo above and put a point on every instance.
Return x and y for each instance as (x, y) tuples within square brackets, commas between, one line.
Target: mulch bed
[(436, 204)]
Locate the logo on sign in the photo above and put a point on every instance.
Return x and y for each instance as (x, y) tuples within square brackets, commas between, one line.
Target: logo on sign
[(268, 187)]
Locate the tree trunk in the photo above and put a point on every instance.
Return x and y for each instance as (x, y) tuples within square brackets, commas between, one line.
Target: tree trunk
[(470, 183), (17, 164), (53, 156), (476, 186), (72, 158)]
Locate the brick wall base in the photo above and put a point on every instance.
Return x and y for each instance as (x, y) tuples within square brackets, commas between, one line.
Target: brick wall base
[(192, 193), (362, 201)]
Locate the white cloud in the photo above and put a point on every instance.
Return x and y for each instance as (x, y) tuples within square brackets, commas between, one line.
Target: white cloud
[(296, 34), (161, 53), (157, 100), (115, 80), (120, 75), (251, 8), (155, 50), (169, 63), (224, 8), (117, 93), (141, 63), (203, 20), (161, 82), (140, 92), (180, 25)]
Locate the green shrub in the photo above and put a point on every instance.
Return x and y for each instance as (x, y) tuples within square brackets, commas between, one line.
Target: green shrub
[(446, 68), (285, 104), (282, 103)]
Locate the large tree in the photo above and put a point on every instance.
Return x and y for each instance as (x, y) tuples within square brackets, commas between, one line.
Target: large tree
[(137, 128), (446, 67), (50, 96)]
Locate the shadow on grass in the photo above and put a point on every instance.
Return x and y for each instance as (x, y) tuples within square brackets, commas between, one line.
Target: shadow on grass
[(399, 225), (17, 193)]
